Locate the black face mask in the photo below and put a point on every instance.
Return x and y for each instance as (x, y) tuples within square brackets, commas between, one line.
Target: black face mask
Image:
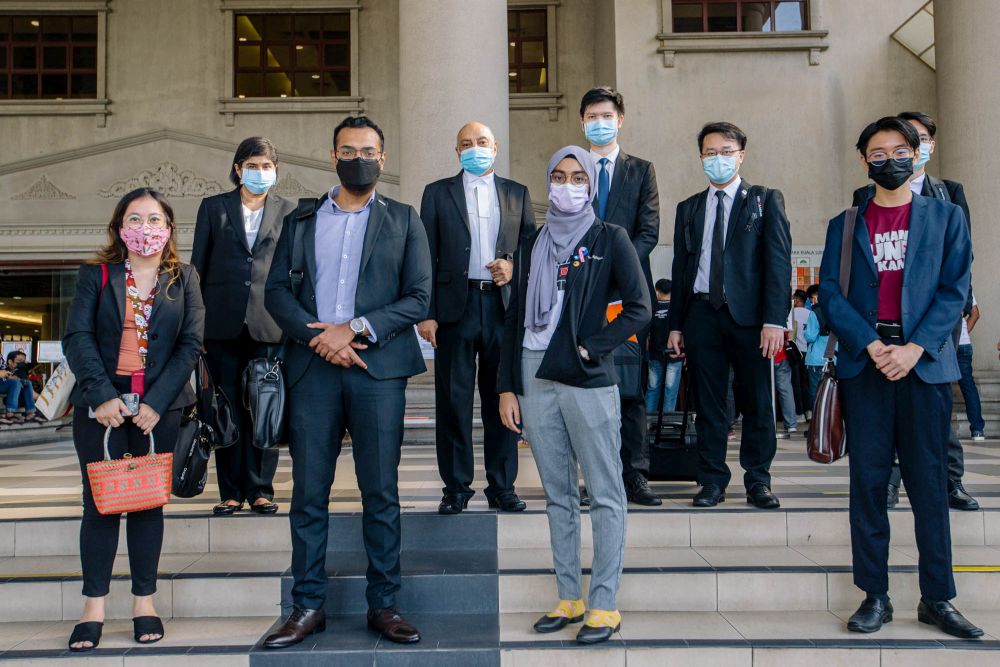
[(358, 175), (893, 174)]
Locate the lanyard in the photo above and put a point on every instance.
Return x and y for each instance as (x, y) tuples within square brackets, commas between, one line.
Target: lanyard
[(141, 309)]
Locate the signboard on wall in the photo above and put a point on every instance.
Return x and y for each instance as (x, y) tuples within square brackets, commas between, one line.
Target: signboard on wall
[(9, 346), (805, 266), (50, 351)]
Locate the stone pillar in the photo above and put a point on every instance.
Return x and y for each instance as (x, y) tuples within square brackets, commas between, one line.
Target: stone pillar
[(965, 33), (452, 70)]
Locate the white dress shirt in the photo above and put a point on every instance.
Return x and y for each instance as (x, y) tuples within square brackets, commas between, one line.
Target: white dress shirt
[(917, 184), (610, 167), (483, 207), (701, 281), (251, 223)]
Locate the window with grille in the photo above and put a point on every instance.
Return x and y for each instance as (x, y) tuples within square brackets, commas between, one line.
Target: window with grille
[(740, 15), (527, 50), (48, 56)]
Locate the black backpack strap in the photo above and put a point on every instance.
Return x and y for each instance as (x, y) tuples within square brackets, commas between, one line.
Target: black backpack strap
[(938, 189), (297, 267)]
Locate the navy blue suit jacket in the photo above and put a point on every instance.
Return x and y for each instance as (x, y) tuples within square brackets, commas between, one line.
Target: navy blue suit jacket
[(935, 284)]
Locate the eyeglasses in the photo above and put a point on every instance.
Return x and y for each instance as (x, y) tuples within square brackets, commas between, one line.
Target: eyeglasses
[(348, 153), (155, 220), (879, 158), (725, 153), (577, 178)]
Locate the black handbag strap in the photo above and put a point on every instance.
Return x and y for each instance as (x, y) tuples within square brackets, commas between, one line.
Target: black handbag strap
[(846, 245)]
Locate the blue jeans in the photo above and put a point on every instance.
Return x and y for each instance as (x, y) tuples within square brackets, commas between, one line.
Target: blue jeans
[(15, 389), (815, 375), (786, 398), (973, 406), (672, 382)]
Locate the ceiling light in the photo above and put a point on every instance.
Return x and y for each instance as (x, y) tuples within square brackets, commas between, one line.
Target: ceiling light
[(35, 23), (17, 298), (299, 47), (315, 76), (242, 39)]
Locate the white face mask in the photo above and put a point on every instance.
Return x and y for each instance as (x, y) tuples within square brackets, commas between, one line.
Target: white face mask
[(569, 198)]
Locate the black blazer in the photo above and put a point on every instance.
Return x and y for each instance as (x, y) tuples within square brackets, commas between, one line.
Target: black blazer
[(932, 188), (232, 273), (446, 219), (394, 287), (611, 269), (634, 204), (758, 257), (94, 333)]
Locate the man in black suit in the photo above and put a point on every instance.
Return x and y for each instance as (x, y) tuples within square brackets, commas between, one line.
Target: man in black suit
[(234, 240), (732, 290), (627, 197), (925, 185), (475, 220), (351, 276)]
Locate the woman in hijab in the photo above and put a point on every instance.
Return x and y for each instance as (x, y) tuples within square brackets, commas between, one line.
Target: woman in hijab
[(557, 373)]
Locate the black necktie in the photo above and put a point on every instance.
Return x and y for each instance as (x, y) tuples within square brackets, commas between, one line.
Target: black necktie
[(717, 270)]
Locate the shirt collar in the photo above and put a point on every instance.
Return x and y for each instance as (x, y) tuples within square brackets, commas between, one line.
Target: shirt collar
[(332, 195), (469, 179), (612, 156), (730, 189), (917, 184)]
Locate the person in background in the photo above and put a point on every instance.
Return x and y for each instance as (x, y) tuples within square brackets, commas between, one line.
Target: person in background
[(664, 371), (785, 390), (798, 320), (234, 241), (19, 390), (134, 326), (817, 335), (970, 392)]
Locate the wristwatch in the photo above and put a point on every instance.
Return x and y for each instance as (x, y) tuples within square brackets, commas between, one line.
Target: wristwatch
[(358, 326)]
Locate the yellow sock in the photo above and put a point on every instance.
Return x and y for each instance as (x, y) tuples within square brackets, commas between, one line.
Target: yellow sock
[(568, 609), (600, 618)]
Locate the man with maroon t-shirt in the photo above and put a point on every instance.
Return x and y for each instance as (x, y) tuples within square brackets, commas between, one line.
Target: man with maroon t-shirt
[(910, 263)]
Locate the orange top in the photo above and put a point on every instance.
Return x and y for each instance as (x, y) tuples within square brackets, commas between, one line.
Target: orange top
[(613, 311), (128, 351)]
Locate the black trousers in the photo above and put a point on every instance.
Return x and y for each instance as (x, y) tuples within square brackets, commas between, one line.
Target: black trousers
[(713, 342), (245, 472), (99, 532), (909, 419), (476, 334), (327, 401), (635, 440)]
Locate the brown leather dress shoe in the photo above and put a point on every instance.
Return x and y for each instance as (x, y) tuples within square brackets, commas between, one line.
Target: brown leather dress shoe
[(301, 624), (392, 626)]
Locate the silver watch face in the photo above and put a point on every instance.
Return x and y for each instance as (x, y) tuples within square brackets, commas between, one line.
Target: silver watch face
[(357, 326)]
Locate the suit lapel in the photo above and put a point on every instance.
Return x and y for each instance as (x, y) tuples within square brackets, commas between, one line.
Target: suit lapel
[(586, 242), (116, 281), (269, 220), (862, 239), (309, 240), (457, 190), (698, 223), (507, 237), (234, 212), (741, 210), (376, 217), (617, 184), (162, 280), (918, 224)]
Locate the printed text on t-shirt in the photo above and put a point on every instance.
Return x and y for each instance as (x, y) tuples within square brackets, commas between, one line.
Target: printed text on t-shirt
[(889, 250)]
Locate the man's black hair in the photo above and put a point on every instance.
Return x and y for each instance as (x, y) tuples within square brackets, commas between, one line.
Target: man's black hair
[(728, 130), (812, 289), (888, 124), (602, 94), (14, 354), (921, 118), (359, 121), (801, 295), (663, 285), (252, 147)]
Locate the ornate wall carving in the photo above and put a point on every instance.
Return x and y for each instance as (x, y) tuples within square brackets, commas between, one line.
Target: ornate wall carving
[(169, 180), (288, 186), (43, 189)]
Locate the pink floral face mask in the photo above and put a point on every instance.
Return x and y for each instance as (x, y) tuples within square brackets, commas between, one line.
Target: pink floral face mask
[(145, 240)]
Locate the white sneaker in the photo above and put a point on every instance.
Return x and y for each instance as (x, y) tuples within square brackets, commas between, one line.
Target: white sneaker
[(978, 436), (782, 435), (792, 431)]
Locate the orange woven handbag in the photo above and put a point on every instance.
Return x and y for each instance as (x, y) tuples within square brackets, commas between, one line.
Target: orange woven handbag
[(132, 483)]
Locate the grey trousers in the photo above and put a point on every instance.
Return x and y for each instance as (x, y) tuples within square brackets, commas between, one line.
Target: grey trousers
[(565, 425)]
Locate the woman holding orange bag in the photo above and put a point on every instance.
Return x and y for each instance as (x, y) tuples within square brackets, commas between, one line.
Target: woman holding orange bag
[(132, 339)]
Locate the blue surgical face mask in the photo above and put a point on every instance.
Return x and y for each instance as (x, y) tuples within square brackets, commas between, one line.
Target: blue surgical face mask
[(476, 160), (259, 181), (719, 168), (925, 155), (601, 132)]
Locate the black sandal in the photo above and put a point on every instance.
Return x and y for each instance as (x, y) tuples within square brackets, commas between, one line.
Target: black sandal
[(89, 631), (147, 625), (225, 509)]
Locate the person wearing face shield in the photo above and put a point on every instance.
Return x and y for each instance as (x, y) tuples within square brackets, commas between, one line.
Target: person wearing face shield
[(234, 240), (558, 383), (922, 183), (475, 221), (732, 275), (909, 277)]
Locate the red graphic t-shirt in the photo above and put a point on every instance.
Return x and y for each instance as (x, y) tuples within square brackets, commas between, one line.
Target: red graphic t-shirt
[(888, 229)]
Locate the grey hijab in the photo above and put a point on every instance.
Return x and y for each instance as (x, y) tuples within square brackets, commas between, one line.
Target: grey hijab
[(557, 240)]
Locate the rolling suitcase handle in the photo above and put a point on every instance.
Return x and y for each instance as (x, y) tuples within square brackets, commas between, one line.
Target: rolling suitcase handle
[(662, 400)]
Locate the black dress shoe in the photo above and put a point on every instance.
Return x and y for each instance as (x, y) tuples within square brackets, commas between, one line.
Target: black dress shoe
[(760, 496), (301, 624), (710, 496), (892, 497), (638, 492), (584, 497), (224, 508), (947, 618), (265, 508), (392, 626), (959, 499), (453, 503), (507, 502), (595, 635), (870, 616), (548, 623)]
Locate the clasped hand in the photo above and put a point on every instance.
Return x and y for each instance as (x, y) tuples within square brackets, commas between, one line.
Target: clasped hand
[(336, 344), (894, 361)]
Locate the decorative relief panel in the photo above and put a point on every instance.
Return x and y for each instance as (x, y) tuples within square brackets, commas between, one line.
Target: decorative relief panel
[(169, 180), (288, 186), (43, 189)]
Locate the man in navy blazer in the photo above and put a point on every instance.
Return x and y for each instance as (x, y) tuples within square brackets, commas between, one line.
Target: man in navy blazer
[(910, 263)]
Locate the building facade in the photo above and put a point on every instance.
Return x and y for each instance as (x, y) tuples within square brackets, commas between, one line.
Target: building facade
[(98, 97)]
